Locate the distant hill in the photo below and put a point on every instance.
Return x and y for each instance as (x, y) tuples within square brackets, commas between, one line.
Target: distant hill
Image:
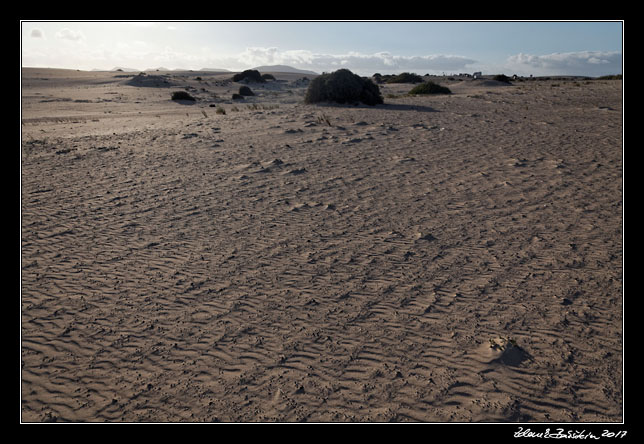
[(115, 69), (119, 69), (284, 68)]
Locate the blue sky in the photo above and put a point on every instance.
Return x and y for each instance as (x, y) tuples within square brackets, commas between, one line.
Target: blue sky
[(508, 47)]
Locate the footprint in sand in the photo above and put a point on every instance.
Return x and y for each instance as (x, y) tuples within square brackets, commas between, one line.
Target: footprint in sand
[(299, 207), (297, 171)]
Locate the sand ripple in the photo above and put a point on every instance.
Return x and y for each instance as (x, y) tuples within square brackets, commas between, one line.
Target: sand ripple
[(370, 271)]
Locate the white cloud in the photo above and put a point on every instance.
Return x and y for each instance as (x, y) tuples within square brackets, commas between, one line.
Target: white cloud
[(37, 34), (144, 24), (141, 55), (260, 56), (365, 64), (68, 34), (584, 63)]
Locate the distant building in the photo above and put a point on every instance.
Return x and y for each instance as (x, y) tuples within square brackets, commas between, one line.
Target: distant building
[(477, 74)]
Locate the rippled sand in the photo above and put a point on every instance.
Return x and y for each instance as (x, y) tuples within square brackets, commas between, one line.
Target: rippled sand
[(435, 259)]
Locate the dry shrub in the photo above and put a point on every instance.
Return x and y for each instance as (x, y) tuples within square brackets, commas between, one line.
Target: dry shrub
[(342, 86)]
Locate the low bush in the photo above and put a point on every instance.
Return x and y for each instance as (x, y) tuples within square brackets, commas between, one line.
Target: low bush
[(245, 91), (430, 88), (250, 75), (404, 77), (182, 95), (611, 77), (343, 86), (501, 78)]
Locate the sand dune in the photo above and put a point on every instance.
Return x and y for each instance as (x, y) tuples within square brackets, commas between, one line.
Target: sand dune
[(434, 259)]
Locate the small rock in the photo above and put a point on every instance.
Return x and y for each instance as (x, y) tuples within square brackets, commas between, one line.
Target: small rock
[(426, 237)]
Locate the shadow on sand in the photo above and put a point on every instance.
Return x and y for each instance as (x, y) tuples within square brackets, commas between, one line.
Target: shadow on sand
[(385, 106), (184, 102), (403, 107)]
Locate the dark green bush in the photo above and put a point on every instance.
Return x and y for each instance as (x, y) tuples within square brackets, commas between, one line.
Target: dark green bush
[(501, 78), (182, 95), (245, 91), (611, 77), (250, 75), (430, 88), (342, 86), (405, 77)]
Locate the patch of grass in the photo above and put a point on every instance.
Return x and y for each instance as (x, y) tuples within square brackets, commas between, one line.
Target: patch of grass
[(220, 110), (323, 118)]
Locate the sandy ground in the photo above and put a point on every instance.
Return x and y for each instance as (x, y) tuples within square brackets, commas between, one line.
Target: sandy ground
[(437, 259)]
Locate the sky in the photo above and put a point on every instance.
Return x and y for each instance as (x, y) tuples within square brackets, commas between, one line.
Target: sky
[(539, 48)]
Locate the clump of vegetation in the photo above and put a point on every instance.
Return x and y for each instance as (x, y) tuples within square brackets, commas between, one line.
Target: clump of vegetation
[(501, 78), (430, 88), (343, 86), (323, 118), (304, 81), (245, 91), (405, 77), (238, 97), (611, 77), (502, 344), (250, 75), (220, 110), (182, 95)]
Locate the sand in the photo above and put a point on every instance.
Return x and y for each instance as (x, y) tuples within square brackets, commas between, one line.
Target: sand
[(433, 259)]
